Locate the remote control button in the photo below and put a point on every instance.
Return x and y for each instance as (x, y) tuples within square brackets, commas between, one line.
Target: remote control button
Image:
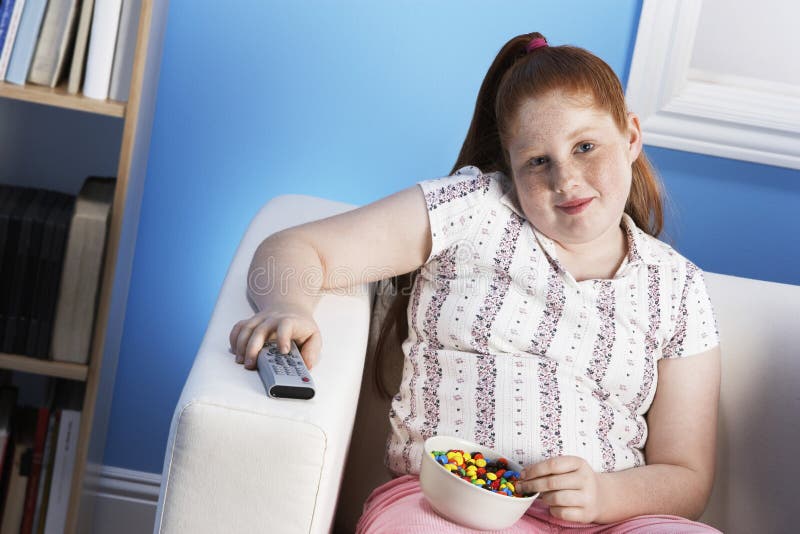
[(306, 379)]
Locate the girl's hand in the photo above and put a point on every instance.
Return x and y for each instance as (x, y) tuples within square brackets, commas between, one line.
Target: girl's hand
[(248, 336), (568, 484)]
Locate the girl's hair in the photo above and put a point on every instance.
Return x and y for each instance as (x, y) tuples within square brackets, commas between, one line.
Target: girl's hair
[(515, 76)]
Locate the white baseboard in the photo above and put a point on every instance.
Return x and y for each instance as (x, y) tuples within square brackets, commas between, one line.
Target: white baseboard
[(124, 501)]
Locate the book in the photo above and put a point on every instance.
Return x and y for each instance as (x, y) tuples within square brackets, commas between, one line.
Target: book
[(62, 471), (6, 9), (25, 421), (34, 260), (43, 302), (6, 198), (100, 56), (8, 401), (7, 245), (124, 51), (24, 266), (25, 44), (55, 263), (10, 36), (79, 51), (45, 473), (13, 331), (5, 191), (14, 279), (37, 459), (15, 493), (36, 299), (56, 37), (81, 276)]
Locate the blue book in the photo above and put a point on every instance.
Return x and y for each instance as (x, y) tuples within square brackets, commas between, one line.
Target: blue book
[(5, 19), (27, 35)]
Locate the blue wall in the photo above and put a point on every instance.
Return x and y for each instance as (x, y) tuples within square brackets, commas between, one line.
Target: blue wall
[(352, 101)]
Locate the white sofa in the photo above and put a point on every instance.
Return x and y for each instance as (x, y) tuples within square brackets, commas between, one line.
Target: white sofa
[(238, 461)]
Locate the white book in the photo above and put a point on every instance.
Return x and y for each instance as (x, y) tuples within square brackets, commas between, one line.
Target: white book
[(126, 46), (100, 57), (76, 305), (11, 36), (63, 465), (79, 52)]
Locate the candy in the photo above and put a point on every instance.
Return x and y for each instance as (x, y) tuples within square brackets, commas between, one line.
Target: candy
[(494, 476)]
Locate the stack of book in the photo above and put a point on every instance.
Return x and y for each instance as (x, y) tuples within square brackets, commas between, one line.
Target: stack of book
[(37, 458), (33, 230), (88, 43), (52, 247)]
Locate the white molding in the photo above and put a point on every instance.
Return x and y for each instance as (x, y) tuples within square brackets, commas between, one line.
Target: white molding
[(704, 112), (125, 501), (125, 483)]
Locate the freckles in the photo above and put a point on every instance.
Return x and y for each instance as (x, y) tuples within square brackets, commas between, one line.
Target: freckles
[(536, 186), (528, 186), (609, 172)]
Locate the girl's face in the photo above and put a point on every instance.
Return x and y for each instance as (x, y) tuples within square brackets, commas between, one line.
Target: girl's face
[(564, 150)]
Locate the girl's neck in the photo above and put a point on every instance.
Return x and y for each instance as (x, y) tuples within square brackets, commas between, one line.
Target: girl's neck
[(595, 260)]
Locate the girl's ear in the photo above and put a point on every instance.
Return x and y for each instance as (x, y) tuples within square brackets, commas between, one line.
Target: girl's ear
[(634, 136)]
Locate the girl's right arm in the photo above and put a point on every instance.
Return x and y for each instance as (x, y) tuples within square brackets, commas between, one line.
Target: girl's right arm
[(291, 268)]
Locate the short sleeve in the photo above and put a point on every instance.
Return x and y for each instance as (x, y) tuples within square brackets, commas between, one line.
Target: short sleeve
[(696, 328), (455, 204)]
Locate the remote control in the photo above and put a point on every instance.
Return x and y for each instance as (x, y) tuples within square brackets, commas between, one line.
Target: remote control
[(284, 375)]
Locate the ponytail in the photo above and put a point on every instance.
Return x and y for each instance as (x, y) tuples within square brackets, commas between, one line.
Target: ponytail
[(483, 146)]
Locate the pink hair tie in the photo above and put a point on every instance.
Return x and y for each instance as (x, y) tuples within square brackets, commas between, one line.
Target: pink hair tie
[(536, 43)]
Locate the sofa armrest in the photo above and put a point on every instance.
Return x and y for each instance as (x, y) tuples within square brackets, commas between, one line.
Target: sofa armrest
[(240, 461), (757, 465)]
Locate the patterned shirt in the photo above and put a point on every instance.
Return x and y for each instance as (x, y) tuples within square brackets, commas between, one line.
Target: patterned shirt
[(505, 348)]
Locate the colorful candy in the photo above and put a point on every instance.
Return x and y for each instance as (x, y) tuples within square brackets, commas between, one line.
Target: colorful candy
[(494, 476)]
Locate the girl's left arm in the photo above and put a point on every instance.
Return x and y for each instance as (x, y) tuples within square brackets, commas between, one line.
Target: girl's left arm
[(680, 454), (681, 446)]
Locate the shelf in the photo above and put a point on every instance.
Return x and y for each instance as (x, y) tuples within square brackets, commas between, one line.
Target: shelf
[(59, 97), (131, 154), (16, 362)]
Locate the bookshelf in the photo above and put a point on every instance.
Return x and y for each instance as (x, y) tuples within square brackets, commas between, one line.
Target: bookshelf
[(26, 364), (136, 115), (59, 97)]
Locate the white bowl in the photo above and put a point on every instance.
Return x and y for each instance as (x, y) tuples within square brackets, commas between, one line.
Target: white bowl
[(462, 502)]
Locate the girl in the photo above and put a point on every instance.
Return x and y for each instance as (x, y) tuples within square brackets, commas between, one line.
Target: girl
[(545, 319)]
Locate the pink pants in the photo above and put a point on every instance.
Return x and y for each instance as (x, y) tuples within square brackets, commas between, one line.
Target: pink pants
[(399, 506)]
